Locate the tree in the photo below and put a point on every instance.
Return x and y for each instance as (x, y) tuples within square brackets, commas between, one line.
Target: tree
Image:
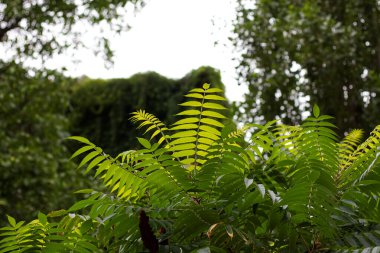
[(199, 187), (35, 171), (100, 108), (39, 29), (34, 165), (297, 53)]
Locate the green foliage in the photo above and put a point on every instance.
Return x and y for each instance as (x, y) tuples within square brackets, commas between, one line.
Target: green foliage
[(39, 29), (34, 167), (35, 171), (324, 52), (100, 108), (197, 186), (33, 160)]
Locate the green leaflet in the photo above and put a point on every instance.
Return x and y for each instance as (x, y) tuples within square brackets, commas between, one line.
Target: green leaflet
[(209, 135), (189, 113), (212, 122), (145, 143), (194, 95), (81, 139), (94, 162), (183, 140), (213, 90), (157, 132), (210, 130), (88, 157), (186, 121), (184, 153), (215, 97), (185, 127), (206, 86), (213, 114), (81, 150), (197, 90), (11, 221), (316, 111), (214, 106), (184, 134), (183, 147), (206, 141), (192, 104)]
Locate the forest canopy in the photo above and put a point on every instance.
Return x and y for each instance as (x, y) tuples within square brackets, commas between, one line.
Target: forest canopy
[(299, 53), (39, 29)]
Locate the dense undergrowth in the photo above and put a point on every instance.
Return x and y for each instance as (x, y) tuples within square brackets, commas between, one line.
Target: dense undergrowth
[(200, 186)]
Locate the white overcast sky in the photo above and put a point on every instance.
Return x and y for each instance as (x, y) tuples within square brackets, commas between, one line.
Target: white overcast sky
[(171, 37)]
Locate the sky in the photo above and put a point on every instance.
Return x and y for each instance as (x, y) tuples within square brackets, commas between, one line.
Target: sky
[(171, 37)]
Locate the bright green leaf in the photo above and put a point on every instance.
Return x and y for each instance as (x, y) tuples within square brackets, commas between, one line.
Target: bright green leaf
[(206, 86), (88, 158), (212, 122), (194, 95), (42, 218), (145, 143), (11, 220), (81, 139), (213, 106), (316, 111), (188, 133), (215, 97), (189, 112), (186, 121), (213, 114), (192, 104), (81, 150)]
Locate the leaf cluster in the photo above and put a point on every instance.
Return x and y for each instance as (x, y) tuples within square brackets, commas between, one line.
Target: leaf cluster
[(293, 54), (198, 186), (40, 29)]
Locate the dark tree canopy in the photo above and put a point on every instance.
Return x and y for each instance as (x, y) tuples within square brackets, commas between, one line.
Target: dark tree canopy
[(101, 108), (36, 29), (324, 51), (35, 170)]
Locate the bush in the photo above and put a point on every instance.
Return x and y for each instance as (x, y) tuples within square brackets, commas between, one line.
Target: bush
[(198, 186), (101, 108)]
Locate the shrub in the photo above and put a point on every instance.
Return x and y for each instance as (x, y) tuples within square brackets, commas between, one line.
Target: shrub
[(198, 186), (100, 108)]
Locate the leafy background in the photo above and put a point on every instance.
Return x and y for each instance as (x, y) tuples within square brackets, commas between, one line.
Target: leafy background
[(267, 187), (197, 186)]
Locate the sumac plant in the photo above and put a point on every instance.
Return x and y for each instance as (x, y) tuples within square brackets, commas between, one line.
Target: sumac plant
[(198, 186)]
